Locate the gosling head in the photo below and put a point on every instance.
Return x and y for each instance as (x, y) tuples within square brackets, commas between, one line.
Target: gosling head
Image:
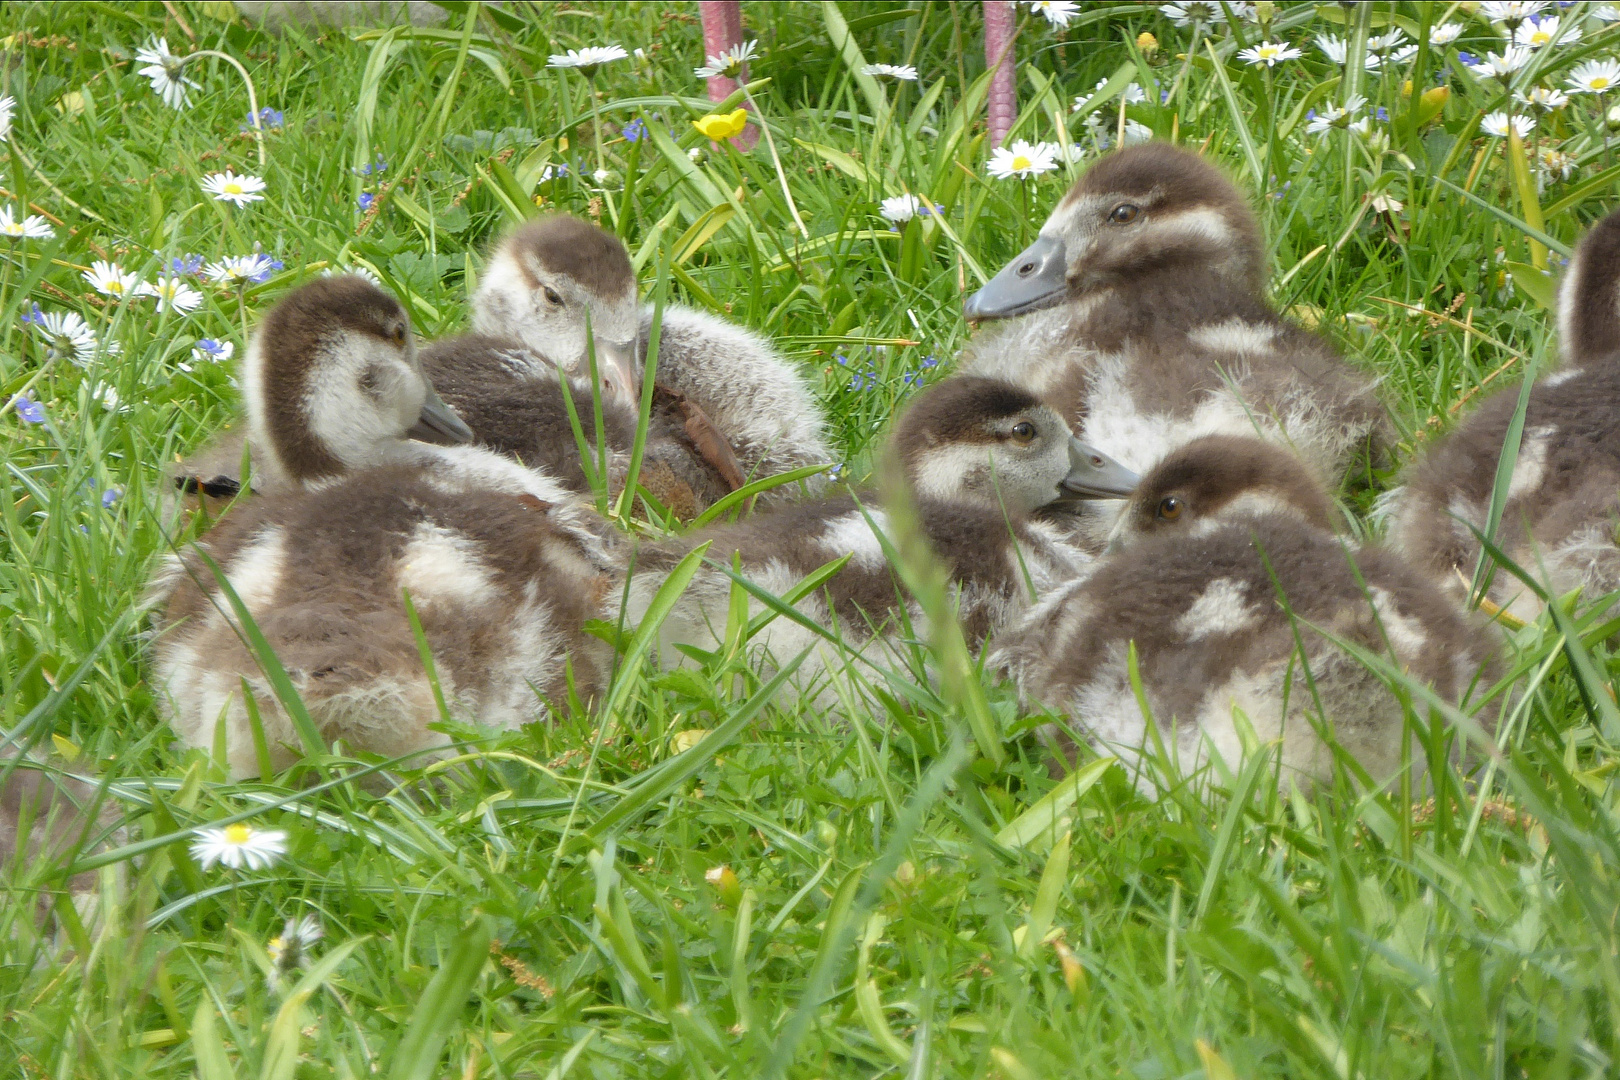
[(556, 284), (332, 384), (1216, 478), (985, 441), (1589, 297), (1134, 213)]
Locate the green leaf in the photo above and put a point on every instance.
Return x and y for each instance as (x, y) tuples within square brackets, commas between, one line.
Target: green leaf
[(207, 1047), (1042, 818), (1044, 909), (1538, 285), (702, 231), (442, 1005), (854, 59)]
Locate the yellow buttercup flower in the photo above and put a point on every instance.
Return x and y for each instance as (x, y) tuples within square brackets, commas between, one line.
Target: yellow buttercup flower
[(1147, 43), (717, 126)]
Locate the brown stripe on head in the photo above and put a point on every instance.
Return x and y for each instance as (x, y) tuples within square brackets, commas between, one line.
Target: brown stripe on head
[(288, 347), (1220, 472), (962, 409), (1589, 297), (576, 249)]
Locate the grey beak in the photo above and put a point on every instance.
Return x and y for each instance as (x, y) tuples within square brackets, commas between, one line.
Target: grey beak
[(1035, 279), (439, 424), (616, 368), (1095, 475)]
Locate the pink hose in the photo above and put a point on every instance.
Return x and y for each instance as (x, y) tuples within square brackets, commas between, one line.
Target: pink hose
[(1003, 104), (722, 30)]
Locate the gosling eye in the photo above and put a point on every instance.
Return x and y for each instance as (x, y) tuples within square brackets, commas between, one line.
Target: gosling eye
[(1023, 432), (399, 334), (1124, 214), (552, 297), (1170, 508)]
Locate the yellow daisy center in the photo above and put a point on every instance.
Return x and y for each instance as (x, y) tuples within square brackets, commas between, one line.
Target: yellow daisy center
[(1021, 162), (14, 229), (238, 834), (115, 287), (232, 187), (1599, 83), (1540, 37)]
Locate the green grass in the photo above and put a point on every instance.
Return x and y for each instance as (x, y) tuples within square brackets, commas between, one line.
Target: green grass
[(890, 890)]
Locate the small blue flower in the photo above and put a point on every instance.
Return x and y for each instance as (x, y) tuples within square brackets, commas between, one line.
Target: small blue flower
[(855, 383), (1468, 58), (634, 131), (31, 411), (1381, 113), (185, 265), (929, 361), (838, 356), (110, 496), (1164, 96), (216, 349), (380, 165), (34, 315), (268, 118), (1310, 114), (366, 199)]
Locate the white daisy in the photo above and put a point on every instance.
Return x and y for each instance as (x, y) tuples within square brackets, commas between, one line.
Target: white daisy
[(66, 335), (228, 187), (289, 950), (1335, 116), (1402, 54), (1534, 33), (1136, 133), (903, 72), (1510, 11), (1269, 53), (901, 208), (1445, 33), (727, 62), (173, 294), (109, 279), (1555, 164), (1022, 160), (1501, 65), (210, 351), (1542, 97), (1385, 42), (1337, 49), (587, 60), (165, 71), (1204, 12), (1133, 94), (1497, 124), (1606, 13), (8, 105), (1056, 12), (240, 271), (356, 270), (239, 845), (32, 227), (106, 395), (1594, 77)]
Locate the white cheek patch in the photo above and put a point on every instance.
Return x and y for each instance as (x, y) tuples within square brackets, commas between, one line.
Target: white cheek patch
[(1204, 223), (441, 567), (1531, 467), (1234, 335), (852, 535), (1258, 503), (1406, 635), (503, 296), (1222, 608), (353, 427), (1558, 378), (940, 472), (1568, 291)]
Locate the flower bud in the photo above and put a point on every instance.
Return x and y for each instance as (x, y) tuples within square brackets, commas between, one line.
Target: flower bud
[(726, 884), (1147, 43)]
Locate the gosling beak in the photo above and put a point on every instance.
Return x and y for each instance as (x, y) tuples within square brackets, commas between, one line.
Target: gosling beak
[(1035, 279), (1095, 475), (438, 423), (616, 367)]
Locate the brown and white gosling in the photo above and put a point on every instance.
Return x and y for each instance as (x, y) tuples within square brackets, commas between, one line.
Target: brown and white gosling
[(331, 384), (980, 457), (1140, 315), (1561, 518), (1216, 539), (742, 410), (502, 564)]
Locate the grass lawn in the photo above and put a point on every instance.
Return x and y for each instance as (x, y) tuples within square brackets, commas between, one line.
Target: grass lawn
[(866, 892)]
